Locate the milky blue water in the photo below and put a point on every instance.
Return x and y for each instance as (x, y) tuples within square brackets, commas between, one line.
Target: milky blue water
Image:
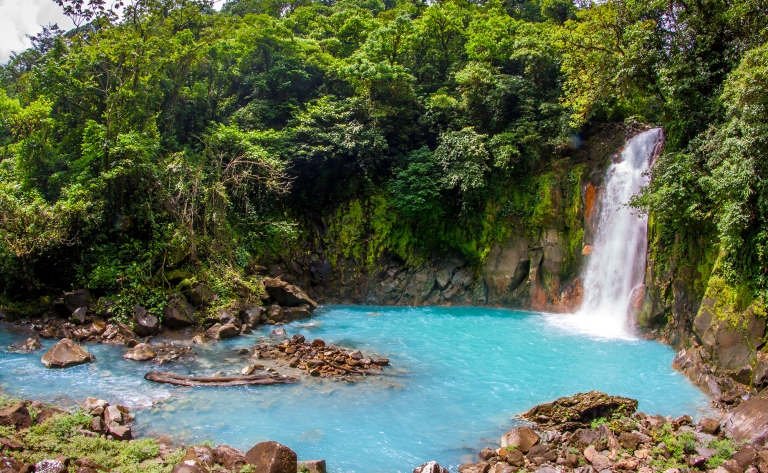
[(459, 377)]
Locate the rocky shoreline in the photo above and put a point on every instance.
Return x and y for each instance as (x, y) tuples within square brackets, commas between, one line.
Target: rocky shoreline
[(586, 433)]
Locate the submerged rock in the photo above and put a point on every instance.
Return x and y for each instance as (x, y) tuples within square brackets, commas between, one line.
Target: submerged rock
[(30, 345), (578, 411), (66, 353), (272, 457)]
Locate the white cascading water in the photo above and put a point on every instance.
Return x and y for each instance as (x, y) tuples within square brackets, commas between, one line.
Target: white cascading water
[(616, 263)]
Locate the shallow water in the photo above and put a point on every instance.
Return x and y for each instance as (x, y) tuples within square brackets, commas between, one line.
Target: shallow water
[(459, 376)]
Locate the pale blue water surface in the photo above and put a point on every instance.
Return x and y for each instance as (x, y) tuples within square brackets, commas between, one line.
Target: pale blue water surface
[(458, 377)]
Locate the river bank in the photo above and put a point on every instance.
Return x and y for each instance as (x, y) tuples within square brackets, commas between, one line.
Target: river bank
[(585, 433)]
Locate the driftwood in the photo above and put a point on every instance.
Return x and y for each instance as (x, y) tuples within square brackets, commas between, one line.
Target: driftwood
[(259, 379)]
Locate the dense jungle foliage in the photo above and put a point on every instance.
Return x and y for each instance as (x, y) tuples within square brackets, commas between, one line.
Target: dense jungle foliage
[(162, 140)]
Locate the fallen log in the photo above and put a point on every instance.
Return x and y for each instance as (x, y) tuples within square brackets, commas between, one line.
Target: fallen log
[(260, 379)]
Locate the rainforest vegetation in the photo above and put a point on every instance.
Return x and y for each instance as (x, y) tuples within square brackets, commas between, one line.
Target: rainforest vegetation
[(165, 140)]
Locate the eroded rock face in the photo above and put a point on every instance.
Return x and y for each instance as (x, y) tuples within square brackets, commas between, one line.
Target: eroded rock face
[(66, 353), (272, 457), (580, 410), (16, 416), (749, 421), (229, 457)]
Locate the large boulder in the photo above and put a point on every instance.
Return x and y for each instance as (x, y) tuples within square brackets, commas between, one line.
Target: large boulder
[(178, 314), (748, 422), (66, 353), (252, 316), (220, 332), (272, 457), (141, 352), (579, 410), (296, 313), (521, 438), (144, 323), (288, 295), (430, 467), (77, 299)]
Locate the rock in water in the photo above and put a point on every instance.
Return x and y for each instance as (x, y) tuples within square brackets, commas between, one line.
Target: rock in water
[(141, 352), (144, 323), (430, 467), (522, 438), (578, 411), (749, 421), (66, 353), (272, 457), (288, 295)]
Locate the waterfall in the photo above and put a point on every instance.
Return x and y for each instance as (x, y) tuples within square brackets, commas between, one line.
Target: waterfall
[(616, 263)]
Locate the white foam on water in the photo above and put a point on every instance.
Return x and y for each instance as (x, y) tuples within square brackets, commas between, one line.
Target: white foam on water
[(616, 263)]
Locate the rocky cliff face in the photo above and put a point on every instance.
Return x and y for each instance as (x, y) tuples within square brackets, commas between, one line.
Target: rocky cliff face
[(359, 254)]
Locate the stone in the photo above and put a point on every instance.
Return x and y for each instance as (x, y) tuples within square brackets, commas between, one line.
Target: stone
[(251, 316), (272, 457), (141, 352), (486, 454), (199, 339), (356, 355), (275, 313), (178, 313), (10, 463), (732, 466), (748, 422), (7, 444), (66, 353), (225, 316), (75, 300), (120, 432), (112, 415), (474, 468), (50, 466), (94, 406), (578, 411), (188, 466), (546, 469), (745, 456), (30, 345), (502, 468), (98, 425), (629, 440), (228, 331), (296, 313), (523, 438), (599, 461), (278, 332), (201, 455), (16, 416), (229, 457), (144, 323), (709, 426), (288, 295), (313, 466), (430, 467)]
